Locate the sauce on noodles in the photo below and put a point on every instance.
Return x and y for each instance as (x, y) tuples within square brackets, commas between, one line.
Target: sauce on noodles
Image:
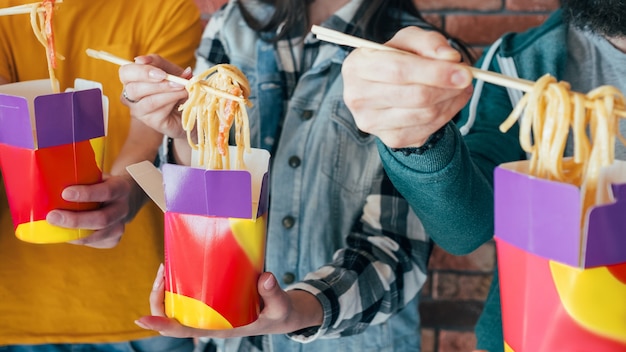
[(41, 22), (212, 115)]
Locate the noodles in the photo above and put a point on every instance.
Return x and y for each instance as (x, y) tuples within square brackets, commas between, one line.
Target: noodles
[(41, 22), (212, 113), (550, 111)]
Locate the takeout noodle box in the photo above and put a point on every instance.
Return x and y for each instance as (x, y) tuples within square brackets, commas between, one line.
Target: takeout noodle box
[(48, 142), (562, 288), (215, 235)]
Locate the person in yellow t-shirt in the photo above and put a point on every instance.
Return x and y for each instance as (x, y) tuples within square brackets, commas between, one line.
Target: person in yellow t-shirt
[(54, 297)]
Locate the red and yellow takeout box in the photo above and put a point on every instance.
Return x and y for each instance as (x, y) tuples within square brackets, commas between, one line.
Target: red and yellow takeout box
[(562, 288), (215, 235), (48, 142)]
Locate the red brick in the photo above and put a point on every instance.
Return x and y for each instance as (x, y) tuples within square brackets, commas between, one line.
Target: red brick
[(475, 5), (434, 19), (532, 5), (455, 341), (427, 288), (485, 29), (480, 260), (450, 286), (429, 340)]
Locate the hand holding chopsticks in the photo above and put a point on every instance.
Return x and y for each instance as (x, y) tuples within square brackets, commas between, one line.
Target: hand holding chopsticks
[(103, 55), (340, 38)]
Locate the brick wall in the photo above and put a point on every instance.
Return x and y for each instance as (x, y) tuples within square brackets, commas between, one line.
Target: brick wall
[(457, 285)]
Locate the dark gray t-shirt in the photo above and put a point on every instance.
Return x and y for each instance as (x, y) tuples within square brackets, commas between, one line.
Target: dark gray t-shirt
[(592, 62)]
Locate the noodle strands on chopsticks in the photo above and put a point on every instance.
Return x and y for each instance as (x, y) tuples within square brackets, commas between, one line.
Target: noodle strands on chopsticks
[(24, 9), (41, 20), (333, 36), (218, 97), (212, 115)]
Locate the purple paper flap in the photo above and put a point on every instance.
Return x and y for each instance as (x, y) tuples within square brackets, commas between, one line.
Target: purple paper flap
[(537, 215), (68, 117), (15, 126), (264, 198), (221, 193), (606, 239)]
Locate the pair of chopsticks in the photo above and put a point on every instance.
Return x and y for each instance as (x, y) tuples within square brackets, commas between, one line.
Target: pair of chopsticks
[(24, 9), (340, 38), (105, 56)]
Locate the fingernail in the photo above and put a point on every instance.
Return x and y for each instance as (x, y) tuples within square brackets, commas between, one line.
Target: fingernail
[(157, 74), (446, 52), (141, 325), (270, 283), (187, 72), (461, 78), (54, 218), (70, 195), (175, 85), (158, 282), (144, 59)]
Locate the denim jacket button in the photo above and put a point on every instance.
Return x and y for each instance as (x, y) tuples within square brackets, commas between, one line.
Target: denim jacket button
[(289, 278), (307, 115), (294, 161), (289, 221)]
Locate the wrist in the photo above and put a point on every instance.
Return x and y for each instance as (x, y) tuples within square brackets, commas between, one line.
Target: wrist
[(429, 144), (307, 309)]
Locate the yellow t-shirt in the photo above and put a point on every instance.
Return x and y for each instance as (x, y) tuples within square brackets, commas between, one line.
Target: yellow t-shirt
[(54, 293)]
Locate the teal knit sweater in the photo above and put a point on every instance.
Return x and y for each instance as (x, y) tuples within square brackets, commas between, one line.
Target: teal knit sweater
[(450, 186)]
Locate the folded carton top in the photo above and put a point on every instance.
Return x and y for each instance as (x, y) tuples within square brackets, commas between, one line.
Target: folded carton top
[(221, 193), (544, 217), (33, 117)]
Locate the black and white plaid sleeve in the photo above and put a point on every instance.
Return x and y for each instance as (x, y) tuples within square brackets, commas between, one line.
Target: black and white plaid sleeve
[(382, 268)]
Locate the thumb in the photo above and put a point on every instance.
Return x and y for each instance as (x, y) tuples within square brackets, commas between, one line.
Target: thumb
[(275, 300), (267, 283)]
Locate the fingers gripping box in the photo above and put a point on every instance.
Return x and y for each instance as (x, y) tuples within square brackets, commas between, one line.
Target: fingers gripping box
[(48, 142), (215, 235)]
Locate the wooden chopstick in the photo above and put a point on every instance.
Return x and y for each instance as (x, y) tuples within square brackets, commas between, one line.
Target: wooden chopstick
[(23, 9), (105, 56), (340, 38)]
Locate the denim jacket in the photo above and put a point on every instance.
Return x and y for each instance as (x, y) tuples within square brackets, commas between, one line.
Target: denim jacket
[(337, 228)]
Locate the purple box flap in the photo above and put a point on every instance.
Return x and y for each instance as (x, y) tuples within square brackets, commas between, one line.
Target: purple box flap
[(543, 217), (61, 118), (68, 117), (537, 215), (221, 193), (606, 236), (15, 126)]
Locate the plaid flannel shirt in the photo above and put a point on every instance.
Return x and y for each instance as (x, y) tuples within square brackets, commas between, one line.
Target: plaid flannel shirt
[(336, 222)]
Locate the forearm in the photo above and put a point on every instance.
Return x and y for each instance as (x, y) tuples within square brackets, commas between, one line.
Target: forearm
[(387, 252), (447, 191), (141, 144), (308, 311)]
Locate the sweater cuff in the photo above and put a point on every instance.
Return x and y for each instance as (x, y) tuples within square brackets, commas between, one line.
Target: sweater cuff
[(434, 159)]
